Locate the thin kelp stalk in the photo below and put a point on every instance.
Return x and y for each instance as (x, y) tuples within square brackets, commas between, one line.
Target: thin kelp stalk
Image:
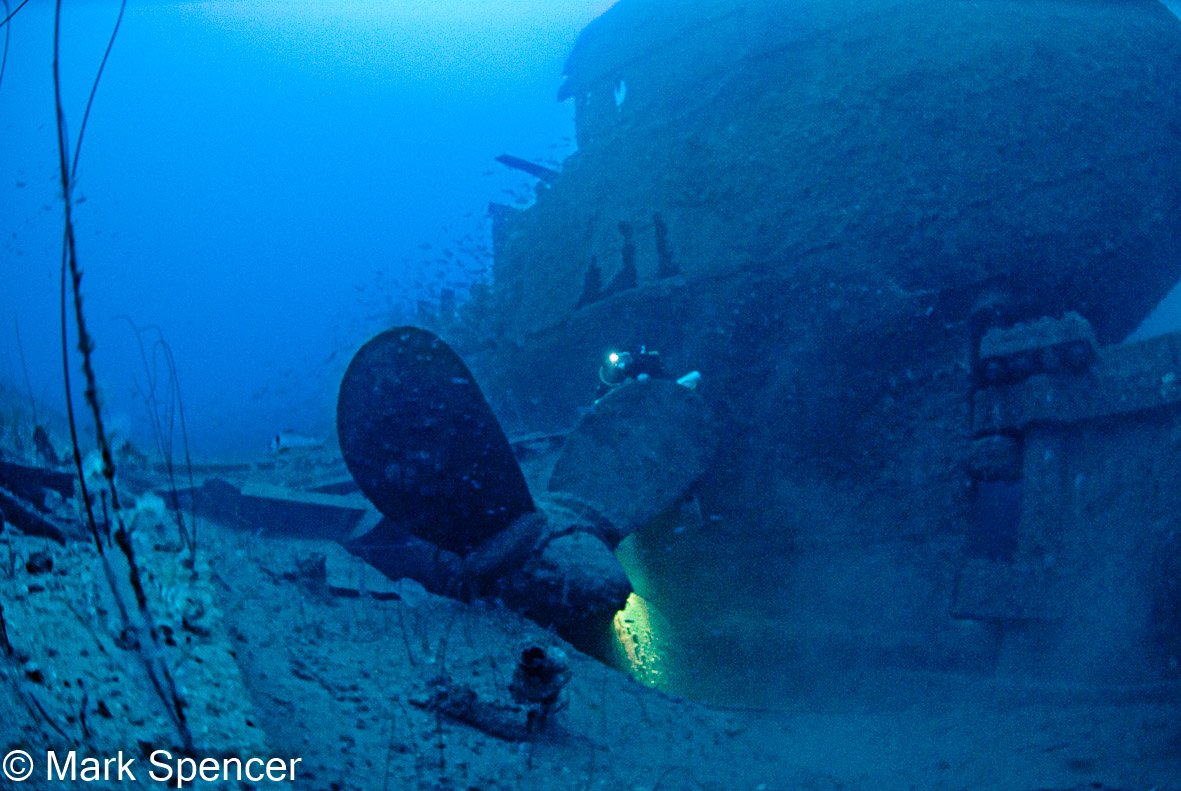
[(11, 15), (93, 88), (7, 646), (70, 265), (7, 32), (149, 648), (20, 347), (7, 16), (184, 436), (162, 437)]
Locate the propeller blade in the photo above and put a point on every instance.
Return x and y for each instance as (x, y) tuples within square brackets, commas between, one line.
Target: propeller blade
[(637, 452), (422, 443)]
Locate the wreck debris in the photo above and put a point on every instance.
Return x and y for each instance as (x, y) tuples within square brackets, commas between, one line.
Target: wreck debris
[(1063, 447), (29, 519), (525, 166), (32, 483), (665, 265), (627, 277), (462, 703), (45, 451), (996, 457), (538, 680), (1045, 345), (592, 285)]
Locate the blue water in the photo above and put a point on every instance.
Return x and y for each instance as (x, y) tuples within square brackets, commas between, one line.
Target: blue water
[(270, 183), (261, 181)]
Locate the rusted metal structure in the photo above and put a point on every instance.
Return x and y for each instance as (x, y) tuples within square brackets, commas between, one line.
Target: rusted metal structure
[(825, 207), (1084, 585)]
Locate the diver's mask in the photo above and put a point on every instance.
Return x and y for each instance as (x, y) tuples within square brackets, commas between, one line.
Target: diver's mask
[(614, 369)]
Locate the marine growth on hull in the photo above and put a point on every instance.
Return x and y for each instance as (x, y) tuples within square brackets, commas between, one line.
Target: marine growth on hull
[(801, 436)]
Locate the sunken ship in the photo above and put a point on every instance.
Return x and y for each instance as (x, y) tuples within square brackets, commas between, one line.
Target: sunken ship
[(904, 243)]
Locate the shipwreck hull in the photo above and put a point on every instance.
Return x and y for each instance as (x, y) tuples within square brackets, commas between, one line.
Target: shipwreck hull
[(823, 208)]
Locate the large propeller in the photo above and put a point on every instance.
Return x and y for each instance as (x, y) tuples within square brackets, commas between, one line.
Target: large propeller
[(423, 445)]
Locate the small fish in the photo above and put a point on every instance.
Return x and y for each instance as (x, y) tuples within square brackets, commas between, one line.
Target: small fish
[(290, 440)]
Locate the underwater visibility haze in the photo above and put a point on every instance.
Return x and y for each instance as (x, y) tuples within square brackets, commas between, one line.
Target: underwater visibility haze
[(650, 394), (268, 183)]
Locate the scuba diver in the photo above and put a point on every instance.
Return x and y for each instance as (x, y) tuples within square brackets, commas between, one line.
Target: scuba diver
[(638, 364)]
